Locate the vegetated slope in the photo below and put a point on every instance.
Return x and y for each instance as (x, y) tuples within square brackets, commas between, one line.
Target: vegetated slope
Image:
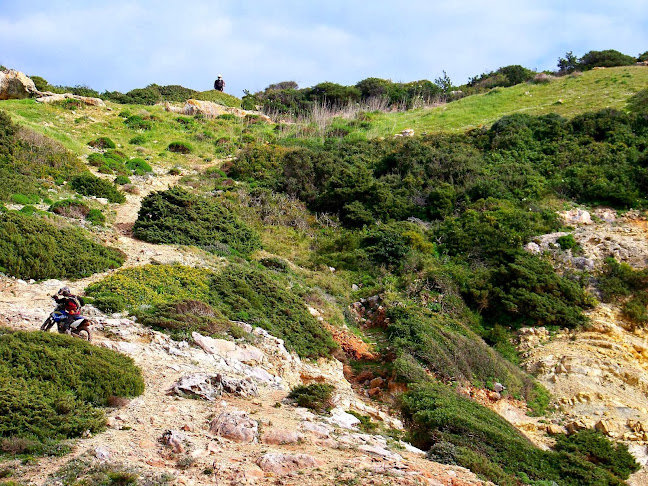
[(567, 96)]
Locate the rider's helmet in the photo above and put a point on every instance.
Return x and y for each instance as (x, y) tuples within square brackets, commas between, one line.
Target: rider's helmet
[(65, 291), (220, 76)]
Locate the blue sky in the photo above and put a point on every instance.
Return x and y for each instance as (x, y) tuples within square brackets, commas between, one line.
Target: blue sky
[(121, 45)]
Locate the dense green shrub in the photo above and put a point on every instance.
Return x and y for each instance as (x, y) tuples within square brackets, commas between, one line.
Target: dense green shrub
[(70, 208), (595, 447), (251, 295), (491, 447), (138, 166), (606, 58), (41, 402), (175, 216), (121, 180), (102, 143), (95, 216), (30, 247), (150, 285), (90, 185), (25, 199), (180, 147), (316, 396)]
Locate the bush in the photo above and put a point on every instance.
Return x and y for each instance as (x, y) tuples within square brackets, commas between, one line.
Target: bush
[(70, 208), (317, 396), (247, 294), (619, 282), (90, 185), (121, 180), (102, 143), (33, 248), (95, 216), (567, 242), (179, 319), (607, 58), (593, 446), (136, 122), (137, 140), (25, 199), (96, 160), (41, 403), (138, 166), (150, 285), (461, 430), (178, 217), (180, 147)]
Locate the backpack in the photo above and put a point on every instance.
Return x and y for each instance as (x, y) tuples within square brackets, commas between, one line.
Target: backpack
[(219, 84)]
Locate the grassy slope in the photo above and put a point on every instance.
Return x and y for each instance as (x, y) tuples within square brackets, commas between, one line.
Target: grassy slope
[(74, 129), (590, 91)]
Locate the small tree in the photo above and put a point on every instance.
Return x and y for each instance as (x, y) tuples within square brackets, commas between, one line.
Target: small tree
[(567, 64), (444, 83)]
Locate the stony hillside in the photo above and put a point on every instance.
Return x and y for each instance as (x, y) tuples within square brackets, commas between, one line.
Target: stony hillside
[(317, 304)]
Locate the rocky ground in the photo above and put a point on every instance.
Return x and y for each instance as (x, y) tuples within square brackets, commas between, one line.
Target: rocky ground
[(242, 430), (598, 376)]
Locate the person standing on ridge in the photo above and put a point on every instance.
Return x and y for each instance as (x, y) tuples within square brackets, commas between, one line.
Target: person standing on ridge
[(219, 84)]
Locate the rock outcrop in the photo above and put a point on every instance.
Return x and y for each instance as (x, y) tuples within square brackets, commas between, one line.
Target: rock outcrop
[(15, 85)]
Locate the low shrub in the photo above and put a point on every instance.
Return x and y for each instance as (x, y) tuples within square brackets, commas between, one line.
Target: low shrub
[(176, 216), (95, 216), (96, 160), (70, 208), (179, 319), (252, 295), (460, 430), (619, 282), (150, 285), (138, 166), (41, 403), (136, 122), (317, 396), (567, 242), (102, 143), (30, 247), (180, 147), (90, 185), (121, 180)]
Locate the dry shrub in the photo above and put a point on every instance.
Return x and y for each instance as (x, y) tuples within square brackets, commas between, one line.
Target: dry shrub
[(16, 445), (130, 189), (542, 78), (117, 402)]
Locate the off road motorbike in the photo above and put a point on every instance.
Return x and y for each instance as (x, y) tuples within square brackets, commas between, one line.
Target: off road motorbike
[(80, 327)]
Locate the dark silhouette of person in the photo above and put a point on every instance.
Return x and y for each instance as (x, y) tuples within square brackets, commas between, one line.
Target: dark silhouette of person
[(219, 84)]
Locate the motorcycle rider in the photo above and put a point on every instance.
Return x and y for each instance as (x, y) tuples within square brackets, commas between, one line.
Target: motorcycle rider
[(70, 305)]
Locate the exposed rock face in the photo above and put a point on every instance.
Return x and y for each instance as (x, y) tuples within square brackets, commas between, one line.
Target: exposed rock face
[(286, 463), (213, 110), (14, 85), (210, 387), (281, 437), (227, 349), (235, 425)]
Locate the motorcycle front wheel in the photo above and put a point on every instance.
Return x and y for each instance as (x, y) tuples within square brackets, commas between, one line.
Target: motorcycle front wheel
[(49, 322)]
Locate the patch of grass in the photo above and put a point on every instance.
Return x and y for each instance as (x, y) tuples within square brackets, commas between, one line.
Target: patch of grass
[(41, 403), (30, 247), (218, 97), (316, 396)]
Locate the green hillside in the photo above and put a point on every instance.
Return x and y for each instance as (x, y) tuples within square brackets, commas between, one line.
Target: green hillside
[(567, 96)]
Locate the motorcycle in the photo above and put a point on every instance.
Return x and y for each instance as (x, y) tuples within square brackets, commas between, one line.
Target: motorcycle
[(80, 327)]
